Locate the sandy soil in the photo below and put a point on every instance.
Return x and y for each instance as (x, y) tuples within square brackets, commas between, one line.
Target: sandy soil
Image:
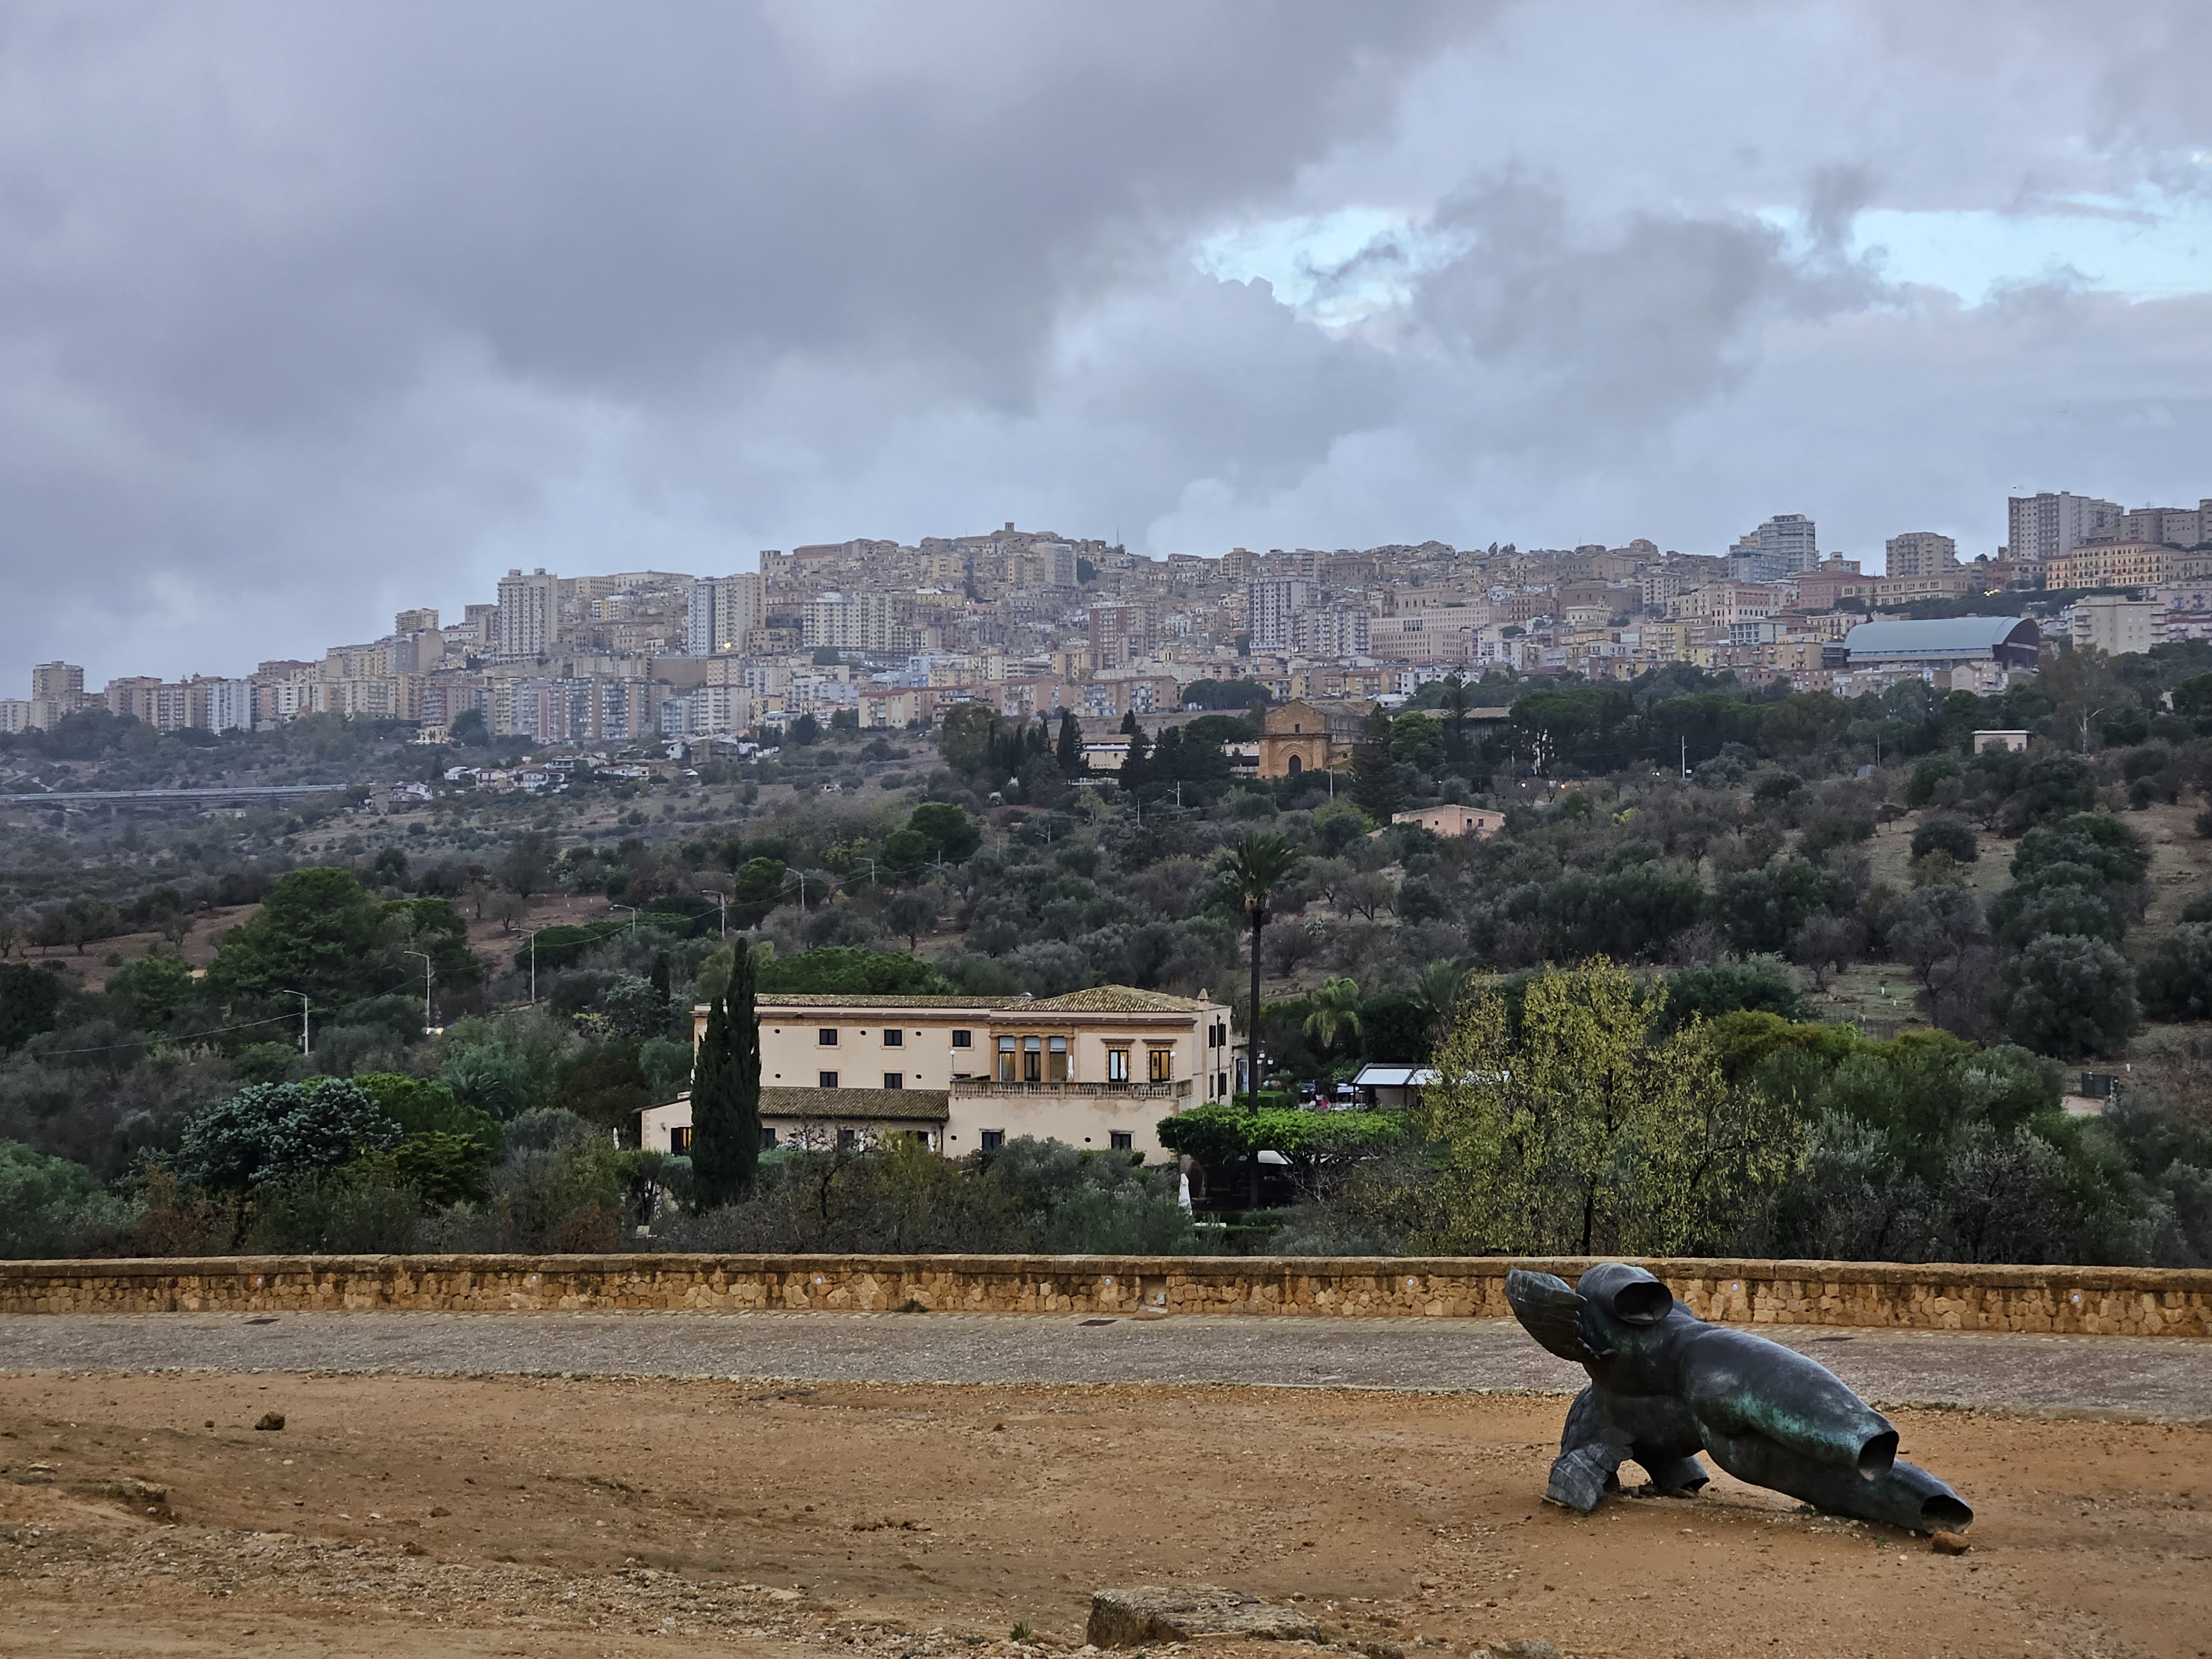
[(606, 1517)]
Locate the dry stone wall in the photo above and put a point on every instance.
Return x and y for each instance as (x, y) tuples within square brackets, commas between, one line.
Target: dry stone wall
[(2095, 1301)]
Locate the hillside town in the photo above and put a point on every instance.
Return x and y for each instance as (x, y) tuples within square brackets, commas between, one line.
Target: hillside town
[(889, 635)]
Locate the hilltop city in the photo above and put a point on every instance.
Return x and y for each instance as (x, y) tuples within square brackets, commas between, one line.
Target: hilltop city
[(1030, 622)]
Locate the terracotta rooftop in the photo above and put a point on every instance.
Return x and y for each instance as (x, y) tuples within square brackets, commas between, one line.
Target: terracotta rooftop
[(833, 1000), (1114, 999), (1098, 999), (867, 1105)]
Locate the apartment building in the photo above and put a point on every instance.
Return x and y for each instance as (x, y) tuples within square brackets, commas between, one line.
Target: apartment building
[(1269, 606), (2043, 527), (2116, 626), (1117, 633), (1334, 631), (2123, 564), (2176, 526), (866, 622), (1782, 546), (1919, 553), (528, 619), (1094, 1069), (722, 610)]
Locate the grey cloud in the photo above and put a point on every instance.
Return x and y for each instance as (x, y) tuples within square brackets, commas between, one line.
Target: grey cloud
[(309, 312)]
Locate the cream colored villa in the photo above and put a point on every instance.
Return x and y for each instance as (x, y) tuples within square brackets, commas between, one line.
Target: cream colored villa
[(1096, 1069)]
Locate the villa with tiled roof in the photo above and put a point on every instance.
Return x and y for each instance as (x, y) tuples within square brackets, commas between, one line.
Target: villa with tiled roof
[(1097, 1068)]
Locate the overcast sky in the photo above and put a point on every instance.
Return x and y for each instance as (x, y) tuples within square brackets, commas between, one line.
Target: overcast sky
[(308, 313)]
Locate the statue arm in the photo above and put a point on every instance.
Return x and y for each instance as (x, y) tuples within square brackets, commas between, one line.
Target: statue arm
[(1550, 1310)]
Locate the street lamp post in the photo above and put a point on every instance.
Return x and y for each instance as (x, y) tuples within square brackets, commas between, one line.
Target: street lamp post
[(531, 939), (428, 975), (722, 903), (632, 908), (304, 1000)]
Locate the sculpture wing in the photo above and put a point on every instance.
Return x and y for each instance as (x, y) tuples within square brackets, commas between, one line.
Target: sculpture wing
[(1550, 1310)]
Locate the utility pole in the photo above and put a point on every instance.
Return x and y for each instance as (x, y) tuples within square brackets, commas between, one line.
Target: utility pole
[(427, 977), (1686, 755), (302, 996), (530, 938), (722, 902)]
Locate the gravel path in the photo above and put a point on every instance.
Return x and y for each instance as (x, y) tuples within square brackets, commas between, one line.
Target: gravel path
[(2133, 1376)]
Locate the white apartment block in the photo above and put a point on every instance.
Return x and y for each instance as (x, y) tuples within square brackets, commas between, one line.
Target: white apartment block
[(863, 621), (1920, 553), (1269, 606), (722, 609), (2040, 528), (1782, 546), (229, 705), (529, 614), (1336, 632)]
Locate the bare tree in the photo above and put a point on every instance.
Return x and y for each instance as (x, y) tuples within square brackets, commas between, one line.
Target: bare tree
[(1826, 944)]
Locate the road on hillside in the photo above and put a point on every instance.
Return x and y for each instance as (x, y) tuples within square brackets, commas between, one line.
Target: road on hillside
[(2150, 1376)]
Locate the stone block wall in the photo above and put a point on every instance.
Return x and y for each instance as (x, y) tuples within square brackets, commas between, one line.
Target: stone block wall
[(2093, 1301)]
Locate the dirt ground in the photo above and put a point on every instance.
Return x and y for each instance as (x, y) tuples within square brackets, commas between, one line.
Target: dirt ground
[(609, 1517)]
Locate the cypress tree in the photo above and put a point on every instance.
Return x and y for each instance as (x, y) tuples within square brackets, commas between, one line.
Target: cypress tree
[(709, 1105), (1070, 754), (744, 1065), (726, 1094), (1136, 768)]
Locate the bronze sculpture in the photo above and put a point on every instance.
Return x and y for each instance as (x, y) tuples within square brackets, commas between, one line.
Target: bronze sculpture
[(1665, 1386)]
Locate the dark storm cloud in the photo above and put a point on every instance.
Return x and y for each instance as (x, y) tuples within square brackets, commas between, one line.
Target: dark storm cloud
[(309, 312)]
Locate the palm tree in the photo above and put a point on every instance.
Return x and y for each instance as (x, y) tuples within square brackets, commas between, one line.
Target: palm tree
[(1258, 864), (1437, 992), (1335, 1010)]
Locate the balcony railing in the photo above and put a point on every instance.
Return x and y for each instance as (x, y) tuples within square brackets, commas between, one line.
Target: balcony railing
[(1179, 1089)]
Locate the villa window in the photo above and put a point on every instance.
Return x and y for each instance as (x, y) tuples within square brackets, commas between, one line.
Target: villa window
[(768, 1138), (894, 1039), (1055, 1069), (1121, 1140), (1159, 1065), (994, 1138), (894, 1079), (963, 1039), (1117, 1064), (1005, 1060), (1032, 1059), (826, 1037), (828, 1078)]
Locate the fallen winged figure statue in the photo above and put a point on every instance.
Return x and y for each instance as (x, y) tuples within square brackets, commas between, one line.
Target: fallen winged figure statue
[(1665, 1386)]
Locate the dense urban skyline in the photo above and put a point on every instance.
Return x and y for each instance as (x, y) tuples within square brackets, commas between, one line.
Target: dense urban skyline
[(312, 314)]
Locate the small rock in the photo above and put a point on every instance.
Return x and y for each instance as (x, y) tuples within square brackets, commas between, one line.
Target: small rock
[(1526, 1648), (411, 1548), (1152, 1612), (270, 1421), (1949, 1543), (440, 1513)]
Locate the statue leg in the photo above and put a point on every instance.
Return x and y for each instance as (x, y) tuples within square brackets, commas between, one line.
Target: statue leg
[(1590, 1450), (1902, 1495), (1672, 1474)]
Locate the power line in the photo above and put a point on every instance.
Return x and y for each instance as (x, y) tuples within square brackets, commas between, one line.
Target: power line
[(157, 1037)]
